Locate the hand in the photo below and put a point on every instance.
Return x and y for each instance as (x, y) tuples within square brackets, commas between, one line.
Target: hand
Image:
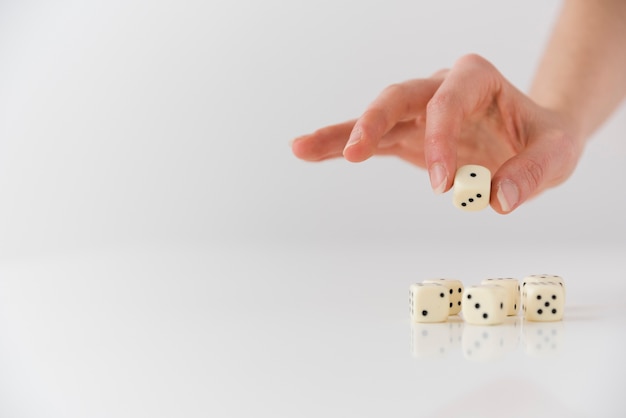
[(469, 114)]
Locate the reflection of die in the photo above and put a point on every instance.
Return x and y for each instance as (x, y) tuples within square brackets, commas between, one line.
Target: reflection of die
[(512, 288), (455, 290), (472, 187), (484, 343), (543, 339), (543, 301), (430, 340), (429, 302), (484, 305)]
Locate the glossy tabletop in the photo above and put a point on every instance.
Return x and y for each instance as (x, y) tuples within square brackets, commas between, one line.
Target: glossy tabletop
[(302, 331)]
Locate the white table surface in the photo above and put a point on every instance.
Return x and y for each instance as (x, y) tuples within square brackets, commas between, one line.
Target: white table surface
[(299, 331)]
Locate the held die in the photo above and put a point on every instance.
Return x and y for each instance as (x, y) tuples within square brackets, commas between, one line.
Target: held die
[(472, 188)]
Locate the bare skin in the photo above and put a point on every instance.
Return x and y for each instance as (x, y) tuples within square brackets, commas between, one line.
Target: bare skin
[(470, 113)]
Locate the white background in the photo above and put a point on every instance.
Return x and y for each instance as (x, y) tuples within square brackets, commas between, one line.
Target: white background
[(148, 195)]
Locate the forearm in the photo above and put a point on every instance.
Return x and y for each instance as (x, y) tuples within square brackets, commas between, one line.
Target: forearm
[(582, 74)]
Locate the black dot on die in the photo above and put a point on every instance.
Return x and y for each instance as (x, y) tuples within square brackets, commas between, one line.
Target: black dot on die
[(485, 316), (460, 290), (463, 204), (553, 311), (441, 295), (515, 306), (538, 297), (469, 296), (553, 297), (546, 304), (424, 313), (451, 291), (479, 195), (539, 311), (459, 303), (451, 304), (477, 306), (501, 305), (471, 200), (473, 174)]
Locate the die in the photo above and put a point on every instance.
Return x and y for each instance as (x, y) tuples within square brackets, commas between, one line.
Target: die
[(484, 305), (429, 302), (472, 187), (543, 301), (535, 278), (512, 288), (455, 289)]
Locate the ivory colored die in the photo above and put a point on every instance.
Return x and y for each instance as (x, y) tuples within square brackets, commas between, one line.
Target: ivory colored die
[(455, 290), (512, 288), (429, 302), (472, 187), (543, 301), (484, 305), (536, 278)]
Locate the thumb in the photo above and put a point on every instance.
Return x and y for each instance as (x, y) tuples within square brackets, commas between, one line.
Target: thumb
[(546, 162)]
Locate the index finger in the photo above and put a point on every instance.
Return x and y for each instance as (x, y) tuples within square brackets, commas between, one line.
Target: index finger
[(397, 103)]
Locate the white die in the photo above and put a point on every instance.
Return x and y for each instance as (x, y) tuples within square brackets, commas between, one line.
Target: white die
[(512, 287), (536, 278), (543, 301), (472, 187), (484, 305), (455, 290), (429, 302)]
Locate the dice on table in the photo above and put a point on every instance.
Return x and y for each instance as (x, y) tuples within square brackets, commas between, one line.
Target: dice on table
[(472, 187), (512, 288), (543, 301), (455, 290), (484, 305), (429, 302), (535, 278)]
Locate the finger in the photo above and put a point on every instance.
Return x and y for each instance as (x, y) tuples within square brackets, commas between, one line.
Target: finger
[(397, 103), (327, 142), (469, 87), (545, 162)]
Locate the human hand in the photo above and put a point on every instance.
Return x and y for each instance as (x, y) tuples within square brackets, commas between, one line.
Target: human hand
[(469, 114)]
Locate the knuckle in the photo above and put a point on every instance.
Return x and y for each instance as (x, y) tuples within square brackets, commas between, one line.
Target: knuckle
[(441, 102), (532, 173), (472, 59)]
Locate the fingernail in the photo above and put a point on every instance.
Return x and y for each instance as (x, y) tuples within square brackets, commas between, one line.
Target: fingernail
[(508, 195), (438, 178), (355, 137)]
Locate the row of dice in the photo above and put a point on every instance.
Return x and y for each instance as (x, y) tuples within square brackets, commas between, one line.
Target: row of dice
[(542, 298)]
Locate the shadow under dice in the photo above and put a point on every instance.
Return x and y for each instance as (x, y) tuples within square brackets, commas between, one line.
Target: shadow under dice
[(484, 305)]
